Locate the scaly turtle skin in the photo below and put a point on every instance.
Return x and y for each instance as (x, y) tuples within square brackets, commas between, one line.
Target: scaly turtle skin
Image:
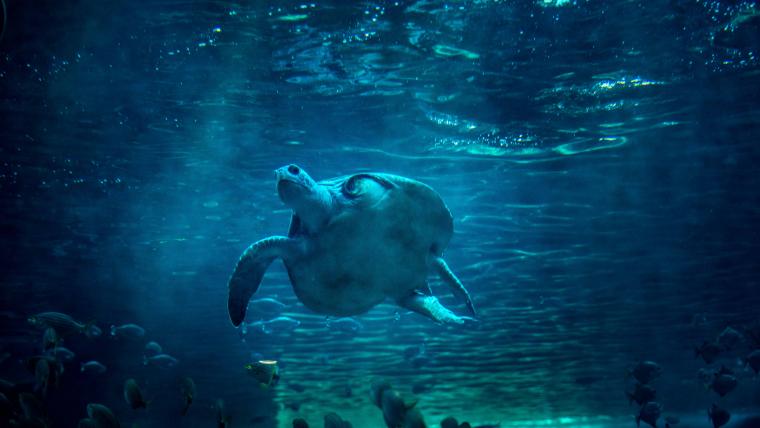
[(353, 242)]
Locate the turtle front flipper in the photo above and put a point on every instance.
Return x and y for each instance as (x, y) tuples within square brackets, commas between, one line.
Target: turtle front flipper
[(250, 270), (453, 282), (430, 307)]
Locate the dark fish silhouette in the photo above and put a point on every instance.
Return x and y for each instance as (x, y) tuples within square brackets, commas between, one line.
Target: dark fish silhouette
[(300, 423), (188, 392), (753, 360), (649, 413), (645, 371), (723, 383), (133, 396), (729, 338), (718, 416), (709, 351), (641, 394)]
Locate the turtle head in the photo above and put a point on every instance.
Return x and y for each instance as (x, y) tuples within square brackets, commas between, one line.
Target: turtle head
[(310, 201)]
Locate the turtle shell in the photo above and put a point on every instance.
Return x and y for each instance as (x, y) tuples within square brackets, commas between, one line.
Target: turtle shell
[(375, 245)]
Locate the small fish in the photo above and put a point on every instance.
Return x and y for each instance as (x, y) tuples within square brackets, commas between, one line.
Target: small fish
[(93, 331), (129, 331), (449, 422), (670, 421), (649, 413), (753, 360), (414, 419), (394, 407), (61, 353), (188, 392), (265, 372), (729, 338), (645, 371), (718, 416), (164, 361), (345, 324), (50, 339), (641, 394), (55, 368), (153, 348), (87, 423), (63, 324), (277, 325), (222, 419), (42, 376), (332, 420), (723, 383), (300, 423), (267, 307), (709, 351), (133, 396), (102, 415), (92, 367)]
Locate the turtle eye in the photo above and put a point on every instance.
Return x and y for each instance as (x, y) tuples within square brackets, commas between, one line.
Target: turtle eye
[(350, 187), (293, 169)]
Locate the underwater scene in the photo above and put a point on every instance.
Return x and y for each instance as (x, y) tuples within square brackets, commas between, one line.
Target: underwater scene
[(369, 214)]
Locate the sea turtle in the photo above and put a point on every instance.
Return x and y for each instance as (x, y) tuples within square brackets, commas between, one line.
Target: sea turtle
[(353, 242)]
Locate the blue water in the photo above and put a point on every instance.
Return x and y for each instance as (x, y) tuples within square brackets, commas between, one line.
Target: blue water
[(600, 161)]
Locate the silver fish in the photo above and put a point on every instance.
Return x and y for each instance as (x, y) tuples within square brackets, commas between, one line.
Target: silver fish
[(266, 307), (102, 415), (63, 324), (130, 331), (64, 354), (153, 348), (133, 396), (275, 325), (161, 360), (346, 324), (92, 367)]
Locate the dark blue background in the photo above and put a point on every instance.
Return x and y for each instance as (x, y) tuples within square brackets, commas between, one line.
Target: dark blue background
[(599, 158)]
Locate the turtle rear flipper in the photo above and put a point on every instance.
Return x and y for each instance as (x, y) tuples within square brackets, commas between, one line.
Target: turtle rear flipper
[(430, 307), (249, 271), (456, 286)]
